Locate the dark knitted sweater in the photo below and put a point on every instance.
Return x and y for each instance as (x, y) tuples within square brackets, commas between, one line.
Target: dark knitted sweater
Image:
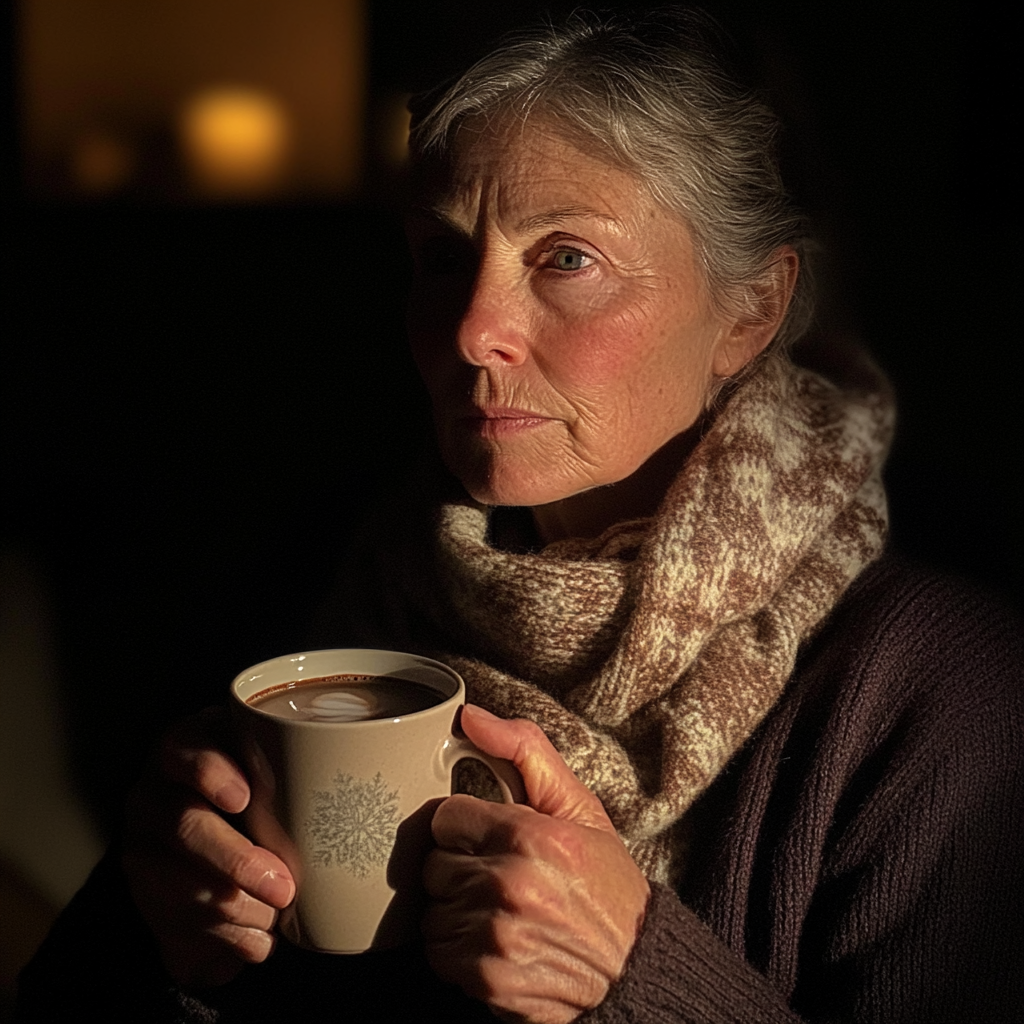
[(858, 860)]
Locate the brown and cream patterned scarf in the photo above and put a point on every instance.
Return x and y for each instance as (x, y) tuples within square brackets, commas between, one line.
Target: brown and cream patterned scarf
[(650, 654)]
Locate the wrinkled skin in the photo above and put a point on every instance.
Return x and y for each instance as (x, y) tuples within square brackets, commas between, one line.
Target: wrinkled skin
[(561, 322), (535, 909)]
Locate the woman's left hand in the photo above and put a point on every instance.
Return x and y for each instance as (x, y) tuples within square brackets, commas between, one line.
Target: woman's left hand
[(534, 909)]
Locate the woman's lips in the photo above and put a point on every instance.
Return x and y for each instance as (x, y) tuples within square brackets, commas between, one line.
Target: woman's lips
[(502, 422)]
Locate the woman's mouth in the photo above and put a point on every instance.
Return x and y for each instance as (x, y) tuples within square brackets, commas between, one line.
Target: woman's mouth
[(497, 423)]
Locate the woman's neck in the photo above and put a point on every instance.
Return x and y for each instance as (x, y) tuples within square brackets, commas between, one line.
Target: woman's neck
[(589, 513)]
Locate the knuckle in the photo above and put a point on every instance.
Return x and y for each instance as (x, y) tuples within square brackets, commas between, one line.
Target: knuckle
[(543, 839), (530, 732), (503, 937), (190, 767), (453, 806), (508, 834), (252, 945), (495, 883), (496, 982), (521, 829), (516, 891), (202, 764), (240, 908), (244, 865), (191, 747), (192, 828), (208, 839), (562, 841)]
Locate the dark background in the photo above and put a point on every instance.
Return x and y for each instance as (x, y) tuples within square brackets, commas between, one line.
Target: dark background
[(198, 403)]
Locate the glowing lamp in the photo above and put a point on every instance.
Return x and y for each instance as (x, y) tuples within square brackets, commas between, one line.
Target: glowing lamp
[(235, 142)]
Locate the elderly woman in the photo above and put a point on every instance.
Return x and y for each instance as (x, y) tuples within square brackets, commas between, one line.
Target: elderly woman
[(772, 773)]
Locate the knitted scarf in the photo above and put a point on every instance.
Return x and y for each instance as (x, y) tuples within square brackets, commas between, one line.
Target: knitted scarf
[(650, 654)]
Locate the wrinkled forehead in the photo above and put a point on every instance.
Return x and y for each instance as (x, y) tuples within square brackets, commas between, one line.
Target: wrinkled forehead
[(487, 153)]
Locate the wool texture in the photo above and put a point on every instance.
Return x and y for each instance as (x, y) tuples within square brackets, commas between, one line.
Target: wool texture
[(650, 654)]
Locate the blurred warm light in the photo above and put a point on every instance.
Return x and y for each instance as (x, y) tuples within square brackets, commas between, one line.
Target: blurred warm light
[(101, 164), (235, 141), (88, 65)]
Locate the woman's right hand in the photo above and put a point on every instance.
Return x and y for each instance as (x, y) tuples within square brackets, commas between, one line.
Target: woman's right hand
[(209, 895)]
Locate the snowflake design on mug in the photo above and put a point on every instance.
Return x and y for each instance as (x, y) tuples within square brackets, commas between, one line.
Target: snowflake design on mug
[(354, 824)]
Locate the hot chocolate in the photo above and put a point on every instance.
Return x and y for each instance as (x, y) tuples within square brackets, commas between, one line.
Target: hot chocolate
[(346, 768), (346, 698)]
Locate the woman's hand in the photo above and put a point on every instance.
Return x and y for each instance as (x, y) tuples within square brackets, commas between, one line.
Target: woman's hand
[(534, 909), (209, 895)]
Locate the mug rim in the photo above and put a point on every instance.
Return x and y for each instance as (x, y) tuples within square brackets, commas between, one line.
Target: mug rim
[(247, 676)]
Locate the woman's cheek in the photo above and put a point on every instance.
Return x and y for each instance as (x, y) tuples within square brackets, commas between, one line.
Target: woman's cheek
[(592, 351)]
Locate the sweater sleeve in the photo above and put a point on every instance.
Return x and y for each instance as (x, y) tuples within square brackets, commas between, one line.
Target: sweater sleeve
[(918, 908), (871, 866), (680, 971)]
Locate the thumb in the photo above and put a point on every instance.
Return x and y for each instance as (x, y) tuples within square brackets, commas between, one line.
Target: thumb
[(551, 786)]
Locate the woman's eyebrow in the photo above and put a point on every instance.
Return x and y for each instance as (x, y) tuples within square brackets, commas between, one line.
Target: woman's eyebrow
[(552, 218), (538, 221)]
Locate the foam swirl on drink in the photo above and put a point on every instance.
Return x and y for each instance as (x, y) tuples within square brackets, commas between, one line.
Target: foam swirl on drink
[(340, 706)]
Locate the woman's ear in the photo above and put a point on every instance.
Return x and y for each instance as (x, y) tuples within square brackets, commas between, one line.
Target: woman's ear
[(750, 334)]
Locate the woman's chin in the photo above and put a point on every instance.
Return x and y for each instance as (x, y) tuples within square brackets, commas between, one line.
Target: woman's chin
[(496, 485), (504, 493)]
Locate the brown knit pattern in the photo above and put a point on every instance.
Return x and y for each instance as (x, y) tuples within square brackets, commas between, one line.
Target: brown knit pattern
[(650, 654)]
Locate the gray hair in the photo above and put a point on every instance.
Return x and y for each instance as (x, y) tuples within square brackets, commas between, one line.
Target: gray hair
[(650, 94)]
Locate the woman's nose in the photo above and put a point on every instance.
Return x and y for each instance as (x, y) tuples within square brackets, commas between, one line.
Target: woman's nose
[(492, 331)]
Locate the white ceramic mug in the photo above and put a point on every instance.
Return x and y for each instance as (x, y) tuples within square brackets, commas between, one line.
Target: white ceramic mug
[(347, 805)]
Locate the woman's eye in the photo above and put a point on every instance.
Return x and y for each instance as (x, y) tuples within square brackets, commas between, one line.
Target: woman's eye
[(568, 259)]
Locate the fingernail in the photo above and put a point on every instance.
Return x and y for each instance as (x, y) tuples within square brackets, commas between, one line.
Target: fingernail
[(475, 711), (275, 889), (231, 797)]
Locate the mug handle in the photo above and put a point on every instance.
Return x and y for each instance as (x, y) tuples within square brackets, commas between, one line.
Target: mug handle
[(510, 782)]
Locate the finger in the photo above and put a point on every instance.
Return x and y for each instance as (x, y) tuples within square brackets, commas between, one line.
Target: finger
[(464, 824), (496, 836), (191, 755), (551, 786), (206, 927), (216, 956), (165, 819), (253, 945), (175, 890), (449, 875), (208, 838), (237, 908)]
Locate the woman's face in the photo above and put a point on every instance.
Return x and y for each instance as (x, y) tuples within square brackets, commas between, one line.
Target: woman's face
[(558, 316)]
